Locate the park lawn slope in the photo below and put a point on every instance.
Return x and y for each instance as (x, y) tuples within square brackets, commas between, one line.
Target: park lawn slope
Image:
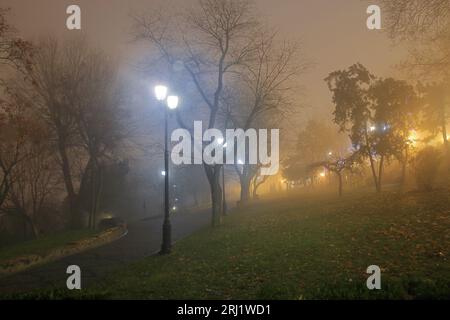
[(304, 247)]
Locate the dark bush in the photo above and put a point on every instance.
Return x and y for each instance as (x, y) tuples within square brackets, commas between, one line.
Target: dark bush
[(427, 165)]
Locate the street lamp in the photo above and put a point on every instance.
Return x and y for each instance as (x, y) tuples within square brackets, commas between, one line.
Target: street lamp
[(172, 103)]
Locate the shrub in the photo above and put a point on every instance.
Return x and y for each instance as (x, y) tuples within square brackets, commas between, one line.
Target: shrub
[(427, 164)]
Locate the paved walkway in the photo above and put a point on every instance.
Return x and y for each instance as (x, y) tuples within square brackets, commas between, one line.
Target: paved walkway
[(143, 239)]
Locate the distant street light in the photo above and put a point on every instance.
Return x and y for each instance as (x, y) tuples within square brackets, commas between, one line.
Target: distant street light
[(172, 103), (412, 139)]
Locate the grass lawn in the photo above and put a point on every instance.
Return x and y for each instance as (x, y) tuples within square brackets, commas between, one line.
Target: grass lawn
[(304, 247), (43, 245)]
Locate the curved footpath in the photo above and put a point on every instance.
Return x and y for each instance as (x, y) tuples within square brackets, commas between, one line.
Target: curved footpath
[(143, 239)]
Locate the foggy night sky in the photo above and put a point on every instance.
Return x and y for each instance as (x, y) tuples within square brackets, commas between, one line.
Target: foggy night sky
[(333, 33)]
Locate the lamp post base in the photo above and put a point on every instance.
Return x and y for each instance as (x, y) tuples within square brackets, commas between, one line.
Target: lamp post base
[(167, 241)]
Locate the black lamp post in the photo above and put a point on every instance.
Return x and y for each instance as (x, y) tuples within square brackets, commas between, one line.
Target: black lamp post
[(172, 103)]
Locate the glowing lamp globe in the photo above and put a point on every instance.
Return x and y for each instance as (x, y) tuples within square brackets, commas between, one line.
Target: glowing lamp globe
[(161, 93), (172, 102)]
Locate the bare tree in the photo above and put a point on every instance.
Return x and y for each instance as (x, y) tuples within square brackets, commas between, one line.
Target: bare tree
[(11, 148), (337, 165), (96, 108), (72, 90), (46, 93), (435, 111), (27, 164), (425, 24), (264, 97), (416, 19), (34, 181), (209, 43)]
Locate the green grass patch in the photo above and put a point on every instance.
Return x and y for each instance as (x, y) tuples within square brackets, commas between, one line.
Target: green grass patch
[(303, 247), (44, 244)]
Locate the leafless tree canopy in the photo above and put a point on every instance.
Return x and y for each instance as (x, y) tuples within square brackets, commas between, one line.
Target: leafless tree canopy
[(425, 25), (413, 19), (242, 73), (13, 50)]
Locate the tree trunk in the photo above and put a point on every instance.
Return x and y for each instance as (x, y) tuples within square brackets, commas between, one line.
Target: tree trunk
[(216, 197), (96, 190), (28, 221), (34, 228), (446, 145), (380, 174), (444, 134), (245, 188), (339, 174), (374, 172), (4, 188), (85, 184), (213, 175), (75, 219), (245, 180), (99, 191), (92, 197), (372, 164), (257, 185), (255, 193), (224, 198), (444, 124), (404, 168)]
